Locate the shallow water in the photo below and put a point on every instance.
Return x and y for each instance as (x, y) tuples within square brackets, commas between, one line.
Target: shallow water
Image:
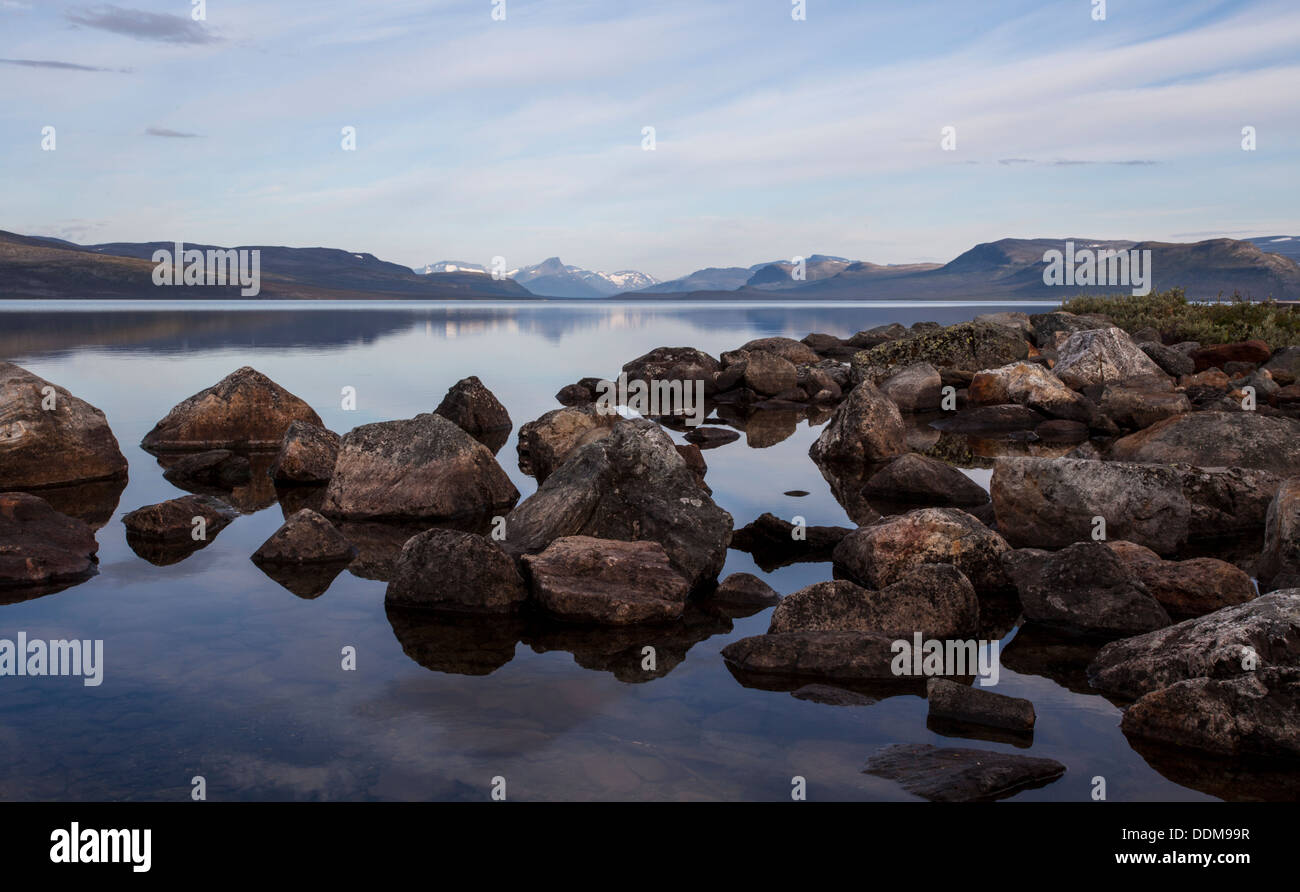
[(214, 669)]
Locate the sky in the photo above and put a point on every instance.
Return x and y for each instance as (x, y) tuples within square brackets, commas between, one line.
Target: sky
[(523, 136)]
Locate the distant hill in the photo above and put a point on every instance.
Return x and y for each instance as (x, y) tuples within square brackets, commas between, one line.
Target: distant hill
[(1286, 245), (553, 278)]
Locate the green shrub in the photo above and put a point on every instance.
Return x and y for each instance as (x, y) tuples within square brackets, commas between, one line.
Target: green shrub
[(1170, 313)]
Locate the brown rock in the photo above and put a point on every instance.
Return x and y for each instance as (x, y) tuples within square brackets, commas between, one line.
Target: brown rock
[(1281, 557), (1189, 588), (914, 478), (1242, 351), (544, 444), (882, 554), (606, 581), (866, 428), (173, 520), (792, 351), (1031, 385), (455, 572), (475, 410), (244, 410), (41, 547), (745, 590), (954, 702), (307, 455), (305, 538), (915, 388), (1216, 440)]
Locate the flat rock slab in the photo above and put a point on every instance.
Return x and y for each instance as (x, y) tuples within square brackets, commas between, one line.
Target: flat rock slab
[(836, 656), (961, 775), (962, 703), (173, 520), (606, 581)]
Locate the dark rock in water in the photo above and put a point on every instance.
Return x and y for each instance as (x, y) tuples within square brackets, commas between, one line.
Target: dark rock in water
[(1281, 558), (307, 581), (1188, 588), (961, 775), (49, 437), (605, 581), (885, 552), (305, 538), (454, 571), (459, 644), (1265, 632), (1221, 354), (989, 420), (422, 468), (710, 437), (745, 589), (1058, 430), (967, 345), (935, 600), (379, 545), (866, 428), (829, 695), (544, 444), (914, 478), (795, 493), (767, 374), (475, 410), (174, 519), (1084, 588), (915, 388), (792, 351), (631, 485), (579, 394), (962, 703), (773, 542), (824, 344), (244, 410), (674, 364), (307, 455), (846, 656), (1171, 361), (1013, 320), (1217, 440), (879, 335), (39, 547), (218, 468), (1254, 714)]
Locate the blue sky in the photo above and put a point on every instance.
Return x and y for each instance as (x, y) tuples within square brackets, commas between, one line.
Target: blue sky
[(523, 138)]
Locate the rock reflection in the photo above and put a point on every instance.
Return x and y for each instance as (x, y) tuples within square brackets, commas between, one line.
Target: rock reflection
[(1064, 658), (1233, 780), (307, 581), (92, 503), (458, 645), (254, 494)]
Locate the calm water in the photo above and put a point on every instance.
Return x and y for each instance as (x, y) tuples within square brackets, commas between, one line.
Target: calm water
[(214, 669)]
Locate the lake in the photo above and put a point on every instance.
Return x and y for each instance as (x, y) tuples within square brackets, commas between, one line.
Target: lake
[(213, 669)]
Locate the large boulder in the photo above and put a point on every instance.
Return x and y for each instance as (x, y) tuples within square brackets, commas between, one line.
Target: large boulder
[(916, 388), (544, 444), (423, 468), (1172, 362), (1190, 588), (918, 479), (1084, 588), (475, 410), (455, 572), (1285, 365), (1218, 355), (244, 410), (935, 600), (1228, 643), (1101, 356), (789, 349), (305, 538), (1048, 328), (673, 364), (50, 437), (968, 345), (1138, 407), (631, 485), (865, 429), (606, 581), (173, 521), (764, 373), (39, 546), (1279, 565), (307, 455), (1217, 439), (883, 553), (1029, 384)]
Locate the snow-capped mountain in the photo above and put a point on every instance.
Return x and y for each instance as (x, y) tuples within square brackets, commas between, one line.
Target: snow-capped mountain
[(553, 278)]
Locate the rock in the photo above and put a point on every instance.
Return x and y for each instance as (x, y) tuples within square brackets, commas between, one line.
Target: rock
[(824, 344), (1172, 362), (307, 455), (1047, 325), (967, 345), (694, 459), (1017, 321), (173, 520), (455, 572), (935, 600), (954, 702), (764, 373), (711, 437), (1284, 366), (70, 443), (1083, 588), (1217, 645), (305, 538), (475, 410), (423, 468), (1281, 557), (834, 656), (882, 554), (544, 444), (773, 542), (915, 388), (745, 590), (1189, 588), (1220, 354), (879, 335), (631, 485), (1052, 503), (914, 478), (1256, 714), (606, 581), (1217, 439), (219, 468), (1059, 430), (792, 351), (41, 547), (866, 428), (1029, 385), (829, 695), (673, 364), (989, 420), (1136, 408), (583, 393), (961, 775), (244, 410), (1100, 357)]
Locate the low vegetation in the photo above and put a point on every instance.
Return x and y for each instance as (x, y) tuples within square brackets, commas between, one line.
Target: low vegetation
[(1177, 319)]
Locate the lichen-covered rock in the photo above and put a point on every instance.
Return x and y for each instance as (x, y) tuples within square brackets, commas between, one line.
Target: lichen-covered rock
[(606, 581), (1029, 384), (967, 345), (455, 572), (1101, 356), (244, 410), (1216, 440), (307, 455), (866, 428), (885, 552)]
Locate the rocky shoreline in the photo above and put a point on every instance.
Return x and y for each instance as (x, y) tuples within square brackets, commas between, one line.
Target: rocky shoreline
[(1142, 526)]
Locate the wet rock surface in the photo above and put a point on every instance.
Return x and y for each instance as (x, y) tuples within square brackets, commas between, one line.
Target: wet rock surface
[(307, 455), (961, 775), (605, 581), (174, 519), (306, 538)]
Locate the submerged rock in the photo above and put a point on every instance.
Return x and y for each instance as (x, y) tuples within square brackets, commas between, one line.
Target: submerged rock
[(475, 410), (606, 581), (244, 410), (49, 437), (961, 775), (41, 547), (305, 538), (457, 572), (825, 655), (423, 468), (307, 455), (885, 552)]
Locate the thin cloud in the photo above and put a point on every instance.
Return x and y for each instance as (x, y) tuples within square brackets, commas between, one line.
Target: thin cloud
[(143, 25), (171, 134), (62, 66)]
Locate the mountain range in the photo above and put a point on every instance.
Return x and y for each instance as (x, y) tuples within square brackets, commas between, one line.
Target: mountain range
[(1008, 269)]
